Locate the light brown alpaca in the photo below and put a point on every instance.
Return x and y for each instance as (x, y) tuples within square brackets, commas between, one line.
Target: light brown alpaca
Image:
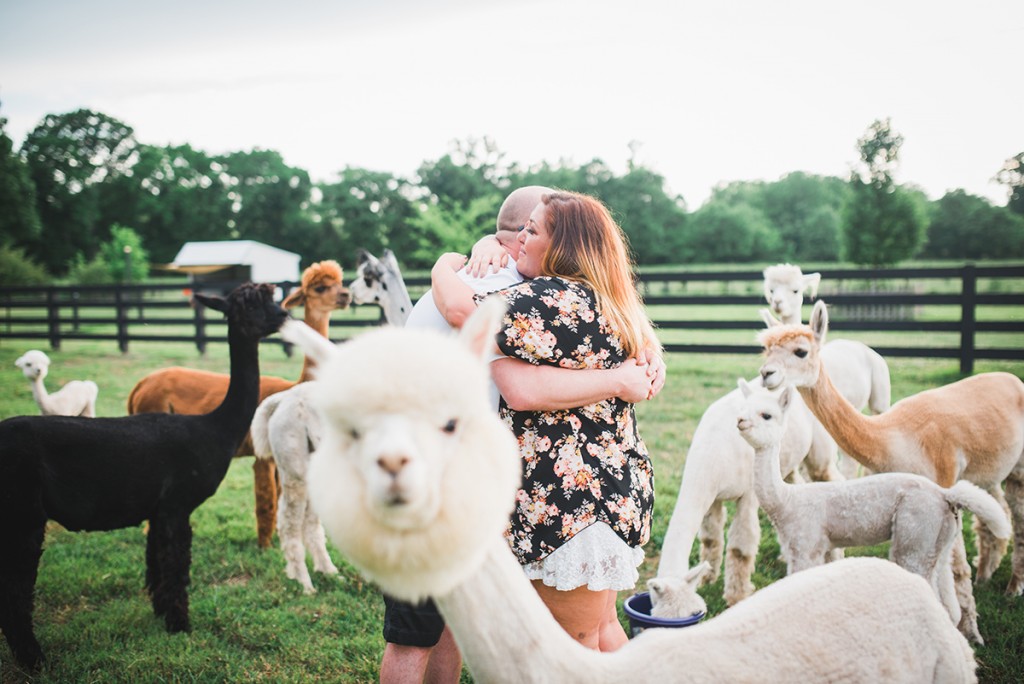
[(189, 391), (972, 429)]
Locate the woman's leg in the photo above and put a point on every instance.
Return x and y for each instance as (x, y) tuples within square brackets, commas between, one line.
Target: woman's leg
[(581, 612), (613, 636)]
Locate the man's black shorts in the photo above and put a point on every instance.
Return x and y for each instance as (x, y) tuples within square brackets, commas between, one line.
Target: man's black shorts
[(412, 625)]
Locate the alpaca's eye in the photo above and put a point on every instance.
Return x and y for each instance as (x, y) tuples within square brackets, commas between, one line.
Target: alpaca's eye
[(320, 289), (450, 426), (353, 433), (800, 353), (766, 416)]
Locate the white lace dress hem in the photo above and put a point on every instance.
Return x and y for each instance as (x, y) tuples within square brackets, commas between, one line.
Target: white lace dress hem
[(595, 557)]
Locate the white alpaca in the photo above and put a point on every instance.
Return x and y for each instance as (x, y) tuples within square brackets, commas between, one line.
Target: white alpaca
[(379, 281), (414, 481), (858, 371), (287, 430), (75, 398), (921, 519), (972, 429), (677, 597), (720, 467)]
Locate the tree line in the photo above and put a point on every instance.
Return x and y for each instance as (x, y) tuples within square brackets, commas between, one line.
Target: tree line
[(82, 193)]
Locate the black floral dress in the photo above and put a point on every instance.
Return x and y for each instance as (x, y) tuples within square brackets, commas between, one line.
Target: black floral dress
[(581, 465)]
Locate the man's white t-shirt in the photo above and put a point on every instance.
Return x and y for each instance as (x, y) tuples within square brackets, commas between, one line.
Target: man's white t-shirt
[(426, 315)]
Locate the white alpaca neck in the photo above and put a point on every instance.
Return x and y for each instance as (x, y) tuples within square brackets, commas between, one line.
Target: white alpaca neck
[(515, 639), (772, 491), (40, 394)]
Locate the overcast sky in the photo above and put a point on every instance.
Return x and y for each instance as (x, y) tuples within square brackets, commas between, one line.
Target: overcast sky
[(711, 91)]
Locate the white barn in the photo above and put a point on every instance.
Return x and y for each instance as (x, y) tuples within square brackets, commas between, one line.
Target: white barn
[(235, 260)]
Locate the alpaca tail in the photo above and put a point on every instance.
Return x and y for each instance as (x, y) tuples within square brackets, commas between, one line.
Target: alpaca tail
[(975, 499), (313, 344), (260, 427)]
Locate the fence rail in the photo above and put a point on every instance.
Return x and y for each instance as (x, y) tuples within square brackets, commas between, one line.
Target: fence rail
[(163, 313)]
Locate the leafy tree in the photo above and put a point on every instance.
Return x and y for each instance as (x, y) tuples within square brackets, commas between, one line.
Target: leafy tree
[(964, 226), (171, 195), (121, 259), (68, 155), (366, 209), (17, 268), (806, 211), (438, 230), (720, 232), (19, 220), (270, 200), (472, 169), (882, 223), (1012, 176)]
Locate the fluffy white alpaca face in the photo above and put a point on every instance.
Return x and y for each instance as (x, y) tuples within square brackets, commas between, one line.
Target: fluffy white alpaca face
[(34, 364), (368, 285), (762, 421), (677, 597), (784, 287)]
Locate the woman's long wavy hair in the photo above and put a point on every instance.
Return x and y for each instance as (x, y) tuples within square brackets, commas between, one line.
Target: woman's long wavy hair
[(587, 245)]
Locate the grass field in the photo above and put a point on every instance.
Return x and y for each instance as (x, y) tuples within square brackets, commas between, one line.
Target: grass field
[(251, 624)]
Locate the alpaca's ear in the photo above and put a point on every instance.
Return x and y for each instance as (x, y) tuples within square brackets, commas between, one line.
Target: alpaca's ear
[(785, 398), (811, 282), (296, 298), (390, 258), (212, 302), (362, 257), (694, 575), (744, 386), (480, 328), (819, 321), (769, 320)]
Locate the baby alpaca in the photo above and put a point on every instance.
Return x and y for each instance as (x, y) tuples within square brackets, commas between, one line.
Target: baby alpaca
[(287, 430), (677, 597), (76, 398), (414, 481), (920, 517)]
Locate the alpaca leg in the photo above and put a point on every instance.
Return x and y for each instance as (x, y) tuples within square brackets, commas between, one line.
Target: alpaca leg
[(290, 519), (968, 625), (22, 542), (265, 488), (172, 555), (1015, 498), (712, 538), (741, 550), (945, 587), (990, 548), (153, 574), (316, 542)]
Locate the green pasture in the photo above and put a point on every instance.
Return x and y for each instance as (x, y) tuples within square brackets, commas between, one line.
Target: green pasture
[(251, 624)]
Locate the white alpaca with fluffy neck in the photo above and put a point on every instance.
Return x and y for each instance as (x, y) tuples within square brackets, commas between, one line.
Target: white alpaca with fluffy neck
[(437, 533)]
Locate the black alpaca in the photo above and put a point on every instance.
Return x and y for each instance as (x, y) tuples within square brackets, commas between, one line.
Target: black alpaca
[(108, 473)]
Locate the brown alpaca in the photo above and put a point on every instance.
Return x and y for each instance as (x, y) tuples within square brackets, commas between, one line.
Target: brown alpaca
[(189, 391), (972, 429)]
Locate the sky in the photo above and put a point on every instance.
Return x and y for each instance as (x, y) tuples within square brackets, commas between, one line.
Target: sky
[(703, 93)]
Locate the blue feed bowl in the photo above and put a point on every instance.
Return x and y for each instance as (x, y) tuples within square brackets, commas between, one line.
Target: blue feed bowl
[(638, 610)]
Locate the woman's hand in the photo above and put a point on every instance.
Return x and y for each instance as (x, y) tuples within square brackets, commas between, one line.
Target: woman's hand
[(657, 371), (487, 252), (636, 381)]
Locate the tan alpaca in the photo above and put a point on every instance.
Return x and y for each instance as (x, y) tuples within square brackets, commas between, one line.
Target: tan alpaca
[(972, 429), (190, 391)]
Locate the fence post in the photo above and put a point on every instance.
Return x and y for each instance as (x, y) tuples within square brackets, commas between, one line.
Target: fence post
[(200, 321), (967, 318), (122, 319), (53, 318)]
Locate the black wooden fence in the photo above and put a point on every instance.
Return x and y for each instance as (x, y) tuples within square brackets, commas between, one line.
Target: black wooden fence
[(878, 301)]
